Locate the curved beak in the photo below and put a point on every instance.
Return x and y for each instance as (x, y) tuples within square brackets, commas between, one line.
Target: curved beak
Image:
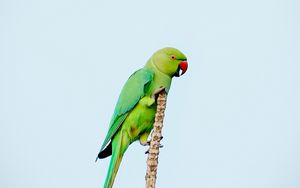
[(182, 67)]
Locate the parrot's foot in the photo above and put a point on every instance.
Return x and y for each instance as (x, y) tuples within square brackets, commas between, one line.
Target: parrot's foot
[(160, 146), (156, 92), (145, 143), (148, 143)]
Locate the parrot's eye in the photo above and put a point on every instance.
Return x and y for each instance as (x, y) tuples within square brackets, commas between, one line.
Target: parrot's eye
[(173, 57)]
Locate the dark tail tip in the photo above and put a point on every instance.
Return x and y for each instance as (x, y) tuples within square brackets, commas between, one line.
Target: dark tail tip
[(105, 153)]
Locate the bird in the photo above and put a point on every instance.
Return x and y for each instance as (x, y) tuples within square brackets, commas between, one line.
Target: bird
[(135, 110)]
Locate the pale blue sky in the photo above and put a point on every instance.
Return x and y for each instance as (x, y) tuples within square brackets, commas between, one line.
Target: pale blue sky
[(232, 121)]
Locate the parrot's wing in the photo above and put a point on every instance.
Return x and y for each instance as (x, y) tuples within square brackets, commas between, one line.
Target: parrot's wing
[(133, 90)]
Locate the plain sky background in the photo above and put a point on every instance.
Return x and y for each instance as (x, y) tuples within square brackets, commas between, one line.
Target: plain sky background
[(232, 121)]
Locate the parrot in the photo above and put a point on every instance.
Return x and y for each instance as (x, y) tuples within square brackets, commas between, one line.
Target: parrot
[(134, 113)]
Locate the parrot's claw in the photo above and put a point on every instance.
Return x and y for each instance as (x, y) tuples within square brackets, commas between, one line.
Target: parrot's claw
[(145, 143), (160, 146), (156, 92), (148, 144)]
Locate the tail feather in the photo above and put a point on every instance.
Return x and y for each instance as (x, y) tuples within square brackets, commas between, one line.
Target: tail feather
[(119, 145), (106, 152)]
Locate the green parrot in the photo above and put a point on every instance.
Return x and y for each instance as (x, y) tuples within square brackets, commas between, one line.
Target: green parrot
[(134, 113)]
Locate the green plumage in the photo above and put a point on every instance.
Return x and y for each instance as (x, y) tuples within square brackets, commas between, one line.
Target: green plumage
[(134, 113)]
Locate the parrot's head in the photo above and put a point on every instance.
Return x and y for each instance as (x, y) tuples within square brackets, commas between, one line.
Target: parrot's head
[(170, 61)]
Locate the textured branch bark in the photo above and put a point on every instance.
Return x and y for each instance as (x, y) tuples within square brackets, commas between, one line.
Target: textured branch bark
[(156, 136)]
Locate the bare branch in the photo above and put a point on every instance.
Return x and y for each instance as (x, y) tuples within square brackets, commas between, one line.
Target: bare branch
[(156, 136)]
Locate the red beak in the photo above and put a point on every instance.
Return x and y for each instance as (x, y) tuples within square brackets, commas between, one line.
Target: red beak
[(183, 66)]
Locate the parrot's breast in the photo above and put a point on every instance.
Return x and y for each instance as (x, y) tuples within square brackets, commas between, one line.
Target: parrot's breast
[(140, 119)]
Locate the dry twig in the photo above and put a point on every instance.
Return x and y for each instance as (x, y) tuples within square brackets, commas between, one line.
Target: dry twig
[(156, 136)]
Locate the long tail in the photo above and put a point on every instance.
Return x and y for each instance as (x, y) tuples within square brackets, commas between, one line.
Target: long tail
[(119, 145)]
